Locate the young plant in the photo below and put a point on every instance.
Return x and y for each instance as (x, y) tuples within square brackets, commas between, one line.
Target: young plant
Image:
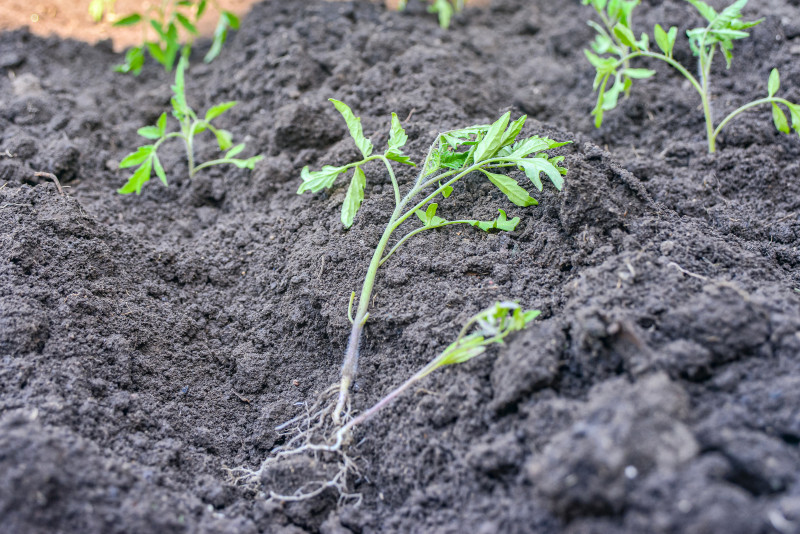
[(100, 8), (455, 154), (615, 46), (445, 9), (146, 157), (491, 326), (167, 18)]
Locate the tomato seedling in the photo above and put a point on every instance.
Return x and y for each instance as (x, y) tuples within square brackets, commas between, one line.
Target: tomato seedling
[(615, 46), (444, 9), (146, 157), (455, 154), (167, 19)]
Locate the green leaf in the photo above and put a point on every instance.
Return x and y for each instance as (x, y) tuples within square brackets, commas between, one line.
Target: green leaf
[(534, 166), (513, 131), (159, 170), (531, 145), (232, 19), (138, 179), (397, 139), (130, 20), (794, 111), (779, 118), (397, 156), (625, 36), (639, 74), (191, 28), (218, 110), (511, 189), (354, 125), (397, 135), (226, 20), (500, 223), (149, 132), (444, 10), (201, 8), (162, 124), (134, 61), (199, 127), (157, 53), (249, 163), (491, 142), (318, 180), (179, 104), (354, 197), (774, 82), (461, 354), (429, 218), (447, 191), (705, 10), (234, 151), (141, 154), (224, 139), (96, 9)]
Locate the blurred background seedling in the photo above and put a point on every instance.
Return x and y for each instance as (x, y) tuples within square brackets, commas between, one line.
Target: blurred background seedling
[(615, 46), (168, 27), (146, 156)]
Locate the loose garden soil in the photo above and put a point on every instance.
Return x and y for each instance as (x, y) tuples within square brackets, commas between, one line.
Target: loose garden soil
[(151, 343)]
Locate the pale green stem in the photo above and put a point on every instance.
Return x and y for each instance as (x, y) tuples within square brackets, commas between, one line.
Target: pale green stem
[(418, 230), (747, 106), (395, 186)]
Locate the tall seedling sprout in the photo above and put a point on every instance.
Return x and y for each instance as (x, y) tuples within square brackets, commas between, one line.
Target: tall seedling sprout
[(455, 154), (615, 46)]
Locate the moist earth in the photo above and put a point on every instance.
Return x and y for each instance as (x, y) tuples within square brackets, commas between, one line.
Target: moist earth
[(152, 343)]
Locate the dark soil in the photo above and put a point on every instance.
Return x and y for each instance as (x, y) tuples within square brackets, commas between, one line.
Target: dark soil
[(148, 343)]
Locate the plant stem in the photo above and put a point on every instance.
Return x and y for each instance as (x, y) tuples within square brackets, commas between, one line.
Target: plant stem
[(350, 364), (190, 155), (754, 103)]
